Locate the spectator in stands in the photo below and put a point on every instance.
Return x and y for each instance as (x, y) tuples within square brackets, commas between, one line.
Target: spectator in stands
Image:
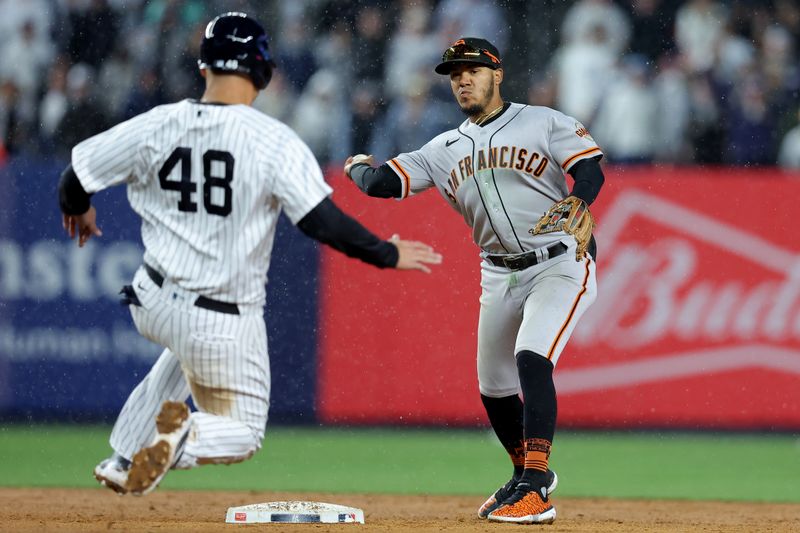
[(409, 49), (585, 16), (652, 22), (25, 59), (15, 13), (369, 43), (145, 95), (627, 116), (787, 14), (279, 100), (583, 68), (789, 154), (674, 106), (94, 31), (9, 119), (295, 54), (750, 124), (317, 113), (334, 47), (85, 116), (365, 109), (475, 18), (699, 25), (410, 121), (734, 55), (706, 131), (117, 76), (54, 104)]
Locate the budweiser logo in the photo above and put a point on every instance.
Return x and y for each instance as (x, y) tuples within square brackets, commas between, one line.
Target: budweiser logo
[(713, 284), (683, 294)]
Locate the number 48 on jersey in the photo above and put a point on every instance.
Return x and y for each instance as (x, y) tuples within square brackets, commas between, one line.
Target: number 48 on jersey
[(188, 188)]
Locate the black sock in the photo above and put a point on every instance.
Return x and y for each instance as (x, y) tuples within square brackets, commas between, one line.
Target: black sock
[(539, 395), (505, 416)]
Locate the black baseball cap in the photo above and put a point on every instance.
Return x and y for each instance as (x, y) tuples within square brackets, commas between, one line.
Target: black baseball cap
[(469, 50)]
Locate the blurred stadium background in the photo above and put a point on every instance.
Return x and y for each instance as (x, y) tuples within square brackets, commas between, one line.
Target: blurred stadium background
[(697, 327)]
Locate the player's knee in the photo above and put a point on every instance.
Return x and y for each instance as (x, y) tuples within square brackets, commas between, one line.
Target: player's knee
[(250, 447), (245, 449), (532, 362)]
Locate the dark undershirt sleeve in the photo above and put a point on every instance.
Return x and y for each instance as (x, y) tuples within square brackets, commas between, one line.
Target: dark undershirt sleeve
[(327, 224), (380, 182), (72, 197), (588, 179)]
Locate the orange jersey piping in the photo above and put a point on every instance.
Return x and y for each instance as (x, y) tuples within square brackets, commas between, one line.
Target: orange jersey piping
[(406, 179), (579, 154), (571, 312)]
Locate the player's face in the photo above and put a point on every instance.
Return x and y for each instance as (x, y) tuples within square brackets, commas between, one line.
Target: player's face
[(474, 87)]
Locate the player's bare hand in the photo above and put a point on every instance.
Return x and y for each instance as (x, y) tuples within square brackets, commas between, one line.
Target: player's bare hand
[(414, 255), (356, 159), (84, 226)]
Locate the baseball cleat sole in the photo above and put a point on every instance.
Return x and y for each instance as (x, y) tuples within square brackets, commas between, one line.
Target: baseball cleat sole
[(149, 465), (547, 517)]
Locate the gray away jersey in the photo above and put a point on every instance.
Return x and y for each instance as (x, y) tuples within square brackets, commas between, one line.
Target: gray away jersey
[(501, 177), (209, 182)]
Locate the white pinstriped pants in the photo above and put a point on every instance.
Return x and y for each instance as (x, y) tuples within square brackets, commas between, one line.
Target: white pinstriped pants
[(535, 309), (220, 359)]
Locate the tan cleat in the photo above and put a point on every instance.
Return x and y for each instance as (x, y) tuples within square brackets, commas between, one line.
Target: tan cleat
[(149, 465)]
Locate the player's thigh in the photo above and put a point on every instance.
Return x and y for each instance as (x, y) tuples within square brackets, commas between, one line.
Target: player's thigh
[(226, 363), (558, 296), (498, 324)]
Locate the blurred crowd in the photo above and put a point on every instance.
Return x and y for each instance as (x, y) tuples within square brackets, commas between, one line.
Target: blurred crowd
[(672, 81)]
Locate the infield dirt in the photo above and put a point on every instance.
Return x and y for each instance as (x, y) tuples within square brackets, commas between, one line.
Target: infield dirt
[(101, 510)]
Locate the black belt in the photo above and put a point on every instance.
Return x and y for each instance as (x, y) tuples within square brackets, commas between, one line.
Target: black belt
[(526, 260), (202, 301)]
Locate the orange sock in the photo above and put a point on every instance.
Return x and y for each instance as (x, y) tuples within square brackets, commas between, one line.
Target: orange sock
[(537, 453)]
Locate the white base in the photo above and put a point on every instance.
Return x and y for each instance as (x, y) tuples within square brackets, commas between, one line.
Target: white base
[(294, 512)]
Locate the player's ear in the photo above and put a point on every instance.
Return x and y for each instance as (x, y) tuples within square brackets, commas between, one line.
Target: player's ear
[(203, 72), (498, 76)]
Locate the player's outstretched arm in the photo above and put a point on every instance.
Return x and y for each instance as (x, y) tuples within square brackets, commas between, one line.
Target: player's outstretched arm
[(78, 217), (329, 225), (380, 182)]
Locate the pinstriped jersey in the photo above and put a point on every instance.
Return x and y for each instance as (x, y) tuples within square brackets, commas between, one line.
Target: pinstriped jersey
[(503, 176), (209, 182)]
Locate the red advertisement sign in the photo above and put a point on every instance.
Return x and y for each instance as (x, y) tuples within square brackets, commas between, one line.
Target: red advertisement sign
[(696, 325)]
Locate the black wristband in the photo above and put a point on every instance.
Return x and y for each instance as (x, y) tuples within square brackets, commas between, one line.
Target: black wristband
[(72, 197)]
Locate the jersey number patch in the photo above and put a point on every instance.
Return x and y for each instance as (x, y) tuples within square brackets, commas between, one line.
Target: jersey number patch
[(188, 188)]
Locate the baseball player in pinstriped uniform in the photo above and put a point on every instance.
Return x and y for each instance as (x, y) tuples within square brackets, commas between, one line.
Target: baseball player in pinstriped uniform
[(209, 179), (502, 169)]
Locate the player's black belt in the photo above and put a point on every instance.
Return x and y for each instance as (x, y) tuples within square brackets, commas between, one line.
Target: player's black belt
[(202, 301), (528, 259)]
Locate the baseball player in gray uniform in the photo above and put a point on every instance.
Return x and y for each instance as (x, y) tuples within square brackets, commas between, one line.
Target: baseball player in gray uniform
[(503, 169), (209, 179)]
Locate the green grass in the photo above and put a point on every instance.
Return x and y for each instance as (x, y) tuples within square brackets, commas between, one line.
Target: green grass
[(626, 465)]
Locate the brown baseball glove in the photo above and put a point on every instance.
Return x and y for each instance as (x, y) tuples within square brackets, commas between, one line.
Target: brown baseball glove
[(572, 216)]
